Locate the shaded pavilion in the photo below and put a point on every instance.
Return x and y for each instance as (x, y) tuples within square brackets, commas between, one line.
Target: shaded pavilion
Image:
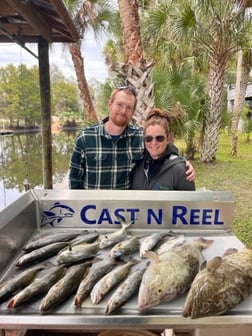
[(42, 22)]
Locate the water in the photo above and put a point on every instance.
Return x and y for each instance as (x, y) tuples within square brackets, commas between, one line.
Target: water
[(21, 158)]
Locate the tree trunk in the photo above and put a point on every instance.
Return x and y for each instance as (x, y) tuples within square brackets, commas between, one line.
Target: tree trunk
[(78, 62), (135, 71), (212, 122), (242, 78)]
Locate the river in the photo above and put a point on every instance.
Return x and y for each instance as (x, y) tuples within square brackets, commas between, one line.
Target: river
[(21, 159)]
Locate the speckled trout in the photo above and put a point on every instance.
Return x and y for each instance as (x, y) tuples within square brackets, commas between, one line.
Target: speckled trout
[(125, 291), (109, 281), (96, 273), (224, 283), (37, 287), (171, 273), (65, 287), (127, 246), (40, 254), (10, 286)]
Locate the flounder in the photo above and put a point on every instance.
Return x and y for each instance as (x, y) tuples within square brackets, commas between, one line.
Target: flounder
[(170, 274), (223, 284)]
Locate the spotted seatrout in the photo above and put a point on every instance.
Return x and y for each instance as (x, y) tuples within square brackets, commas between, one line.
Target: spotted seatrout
[(54, 238), (40, 254), (125, 291), (65, 287), (37, 287), (9, 287), (125, 247), (109, 281), (171, 273), (87, 284), (223, 284)]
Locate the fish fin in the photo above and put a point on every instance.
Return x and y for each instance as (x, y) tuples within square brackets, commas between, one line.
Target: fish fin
[(203, 265), (229, 251), (127, 224), (152, 256), (203, 243), (96, 259), (214, 264)]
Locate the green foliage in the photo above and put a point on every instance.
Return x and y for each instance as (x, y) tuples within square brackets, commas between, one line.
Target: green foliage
[(20, 96), (232, 174)]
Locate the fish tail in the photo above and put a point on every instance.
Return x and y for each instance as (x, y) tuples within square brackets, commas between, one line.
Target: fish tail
[(108, 309), (127, 224), (11, 303), (77, 301)]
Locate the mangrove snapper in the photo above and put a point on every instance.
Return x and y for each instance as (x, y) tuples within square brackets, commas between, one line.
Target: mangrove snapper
[(114, 237), (149, 242), (77, 253)]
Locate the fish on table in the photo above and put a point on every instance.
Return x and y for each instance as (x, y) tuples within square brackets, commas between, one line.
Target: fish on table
[(170, 243), (109, 281), (87, 238), (110, 239), (40, 254), (96, 273), (37, 287), (224, 283), (64, 287), (49, 239), (125, 247), (125, 291), (19, 281), (77, 253), (149, 242), (171, 273)]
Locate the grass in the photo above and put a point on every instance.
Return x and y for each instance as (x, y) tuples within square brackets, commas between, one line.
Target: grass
[(232, 174)]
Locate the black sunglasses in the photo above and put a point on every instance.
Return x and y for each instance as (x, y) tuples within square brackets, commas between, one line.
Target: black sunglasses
[(150, 138), (126, 87)]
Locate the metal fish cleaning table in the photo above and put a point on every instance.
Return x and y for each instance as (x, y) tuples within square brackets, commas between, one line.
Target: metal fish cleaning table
[(43, 212)]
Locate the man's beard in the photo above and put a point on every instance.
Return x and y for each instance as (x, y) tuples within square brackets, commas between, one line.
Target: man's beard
[(120, 121)]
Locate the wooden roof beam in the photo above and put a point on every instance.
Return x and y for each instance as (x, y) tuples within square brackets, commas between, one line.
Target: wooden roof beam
[(32, 16)]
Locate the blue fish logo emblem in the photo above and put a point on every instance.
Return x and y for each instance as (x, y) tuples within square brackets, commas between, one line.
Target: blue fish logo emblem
[(56, 214)]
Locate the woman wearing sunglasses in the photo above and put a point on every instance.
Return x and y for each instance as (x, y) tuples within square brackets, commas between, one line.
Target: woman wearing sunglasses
[(161, 168)]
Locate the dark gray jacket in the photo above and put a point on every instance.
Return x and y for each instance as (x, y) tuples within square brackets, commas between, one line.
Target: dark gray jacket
[(165, 173)]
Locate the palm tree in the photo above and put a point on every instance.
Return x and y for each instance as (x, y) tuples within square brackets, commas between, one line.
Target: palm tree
[(88, 15), (244, 63), (218, 29), (135, 70)]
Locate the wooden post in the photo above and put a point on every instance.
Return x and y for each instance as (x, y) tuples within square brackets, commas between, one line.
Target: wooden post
[(45, 97)]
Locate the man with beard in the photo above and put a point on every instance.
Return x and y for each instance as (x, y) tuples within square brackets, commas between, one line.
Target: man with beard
[(105, 154)]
